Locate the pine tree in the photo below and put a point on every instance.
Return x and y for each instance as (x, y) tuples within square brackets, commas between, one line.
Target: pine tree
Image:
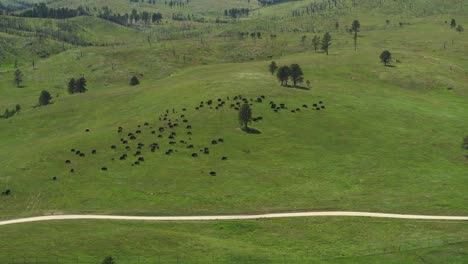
[(326, 42), (44, 98), (72, 86), (355, 27), (134, 81), (316, 42), (273, 67), (18, 77), (245, 115)]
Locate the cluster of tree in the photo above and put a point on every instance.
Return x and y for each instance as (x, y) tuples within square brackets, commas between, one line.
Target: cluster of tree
[(9, 113), (271, 2), (77, 85), (18, 6), (458, 28), (253, 35), (133, 17), (43, 11), (176, 3), (285, 73), (324, 43), (65, 31), (316, 7), (237, 12)]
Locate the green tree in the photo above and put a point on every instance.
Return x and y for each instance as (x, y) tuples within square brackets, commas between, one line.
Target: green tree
[(108, 260), (316, 42), (72, 86), (303, 40), (460, 29), (134, 81), (326, 42), (44, 98), (355, 27), (81, 85), (283, 74), (386, 57), (272, 67), (453, 23), (296, 74), (17, 108), (245, 115), (465, 143), (18, 77)]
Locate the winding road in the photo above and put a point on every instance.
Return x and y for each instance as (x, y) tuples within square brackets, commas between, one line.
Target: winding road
[(229, 217)]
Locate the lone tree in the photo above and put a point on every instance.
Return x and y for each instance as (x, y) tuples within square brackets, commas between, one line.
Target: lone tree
[(108, 260), (272, 67), (296, 74), (465, 143), (71, 86), (386, 57), (245, 115), (17, 108), (134, 81), (18, 77), (453, 23), (316, 42), (44, 98), (326, 42), (81, 85), (460, 29), (283, 74), (355, 27)]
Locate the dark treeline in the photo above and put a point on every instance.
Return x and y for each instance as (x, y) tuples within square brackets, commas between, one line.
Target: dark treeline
[(176, 3), (315, 8), (132, 18), (237, 12), (65, 32), (11, 8), (271, 2), (41, 10)]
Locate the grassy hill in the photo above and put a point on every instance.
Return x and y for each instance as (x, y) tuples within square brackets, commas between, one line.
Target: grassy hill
[(387, 140)]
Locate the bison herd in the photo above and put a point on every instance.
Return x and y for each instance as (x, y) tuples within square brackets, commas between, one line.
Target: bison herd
[(173, 127)]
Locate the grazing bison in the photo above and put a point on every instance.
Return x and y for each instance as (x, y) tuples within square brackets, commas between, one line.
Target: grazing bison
[(194, 155), (68, 162), (213, 173), (104, 168), (224, 158)]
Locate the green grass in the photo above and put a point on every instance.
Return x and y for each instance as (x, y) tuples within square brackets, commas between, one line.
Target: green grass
[(300, 240), (389, 140)]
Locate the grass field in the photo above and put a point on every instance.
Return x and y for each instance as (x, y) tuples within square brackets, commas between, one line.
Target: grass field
[(324, 240), (388, 140)]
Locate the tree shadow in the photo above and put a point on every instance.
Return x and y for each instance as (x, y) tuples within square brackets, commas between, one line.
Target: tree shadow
[(390, 66), (296, 87), (251, 130), (21, 86)]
